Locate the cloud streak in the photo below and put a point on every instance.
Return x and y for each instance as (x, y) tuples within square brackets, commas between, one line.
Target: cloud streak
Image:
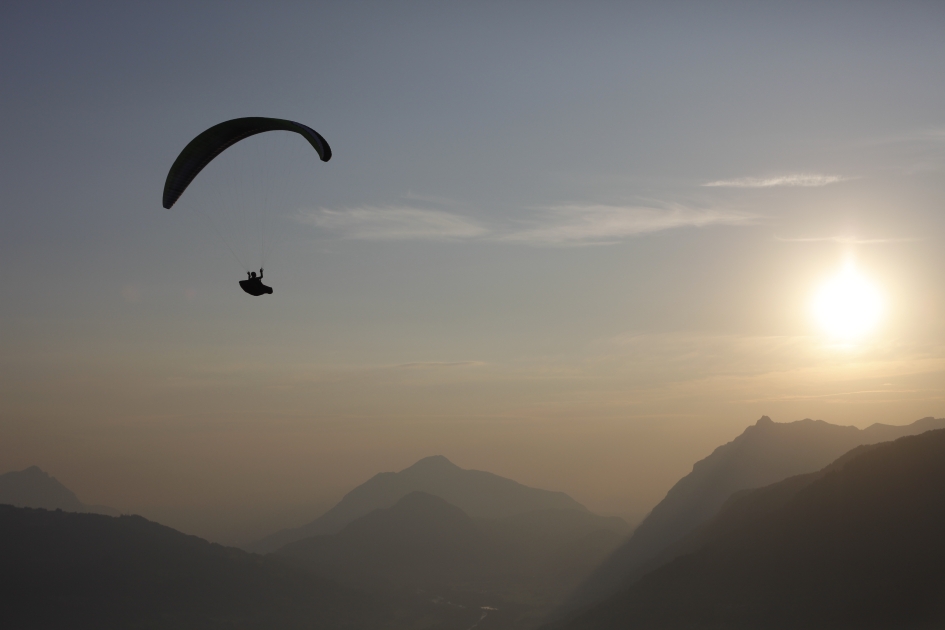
[(394, 223), (806, 180), (600, 224), (566, 225)]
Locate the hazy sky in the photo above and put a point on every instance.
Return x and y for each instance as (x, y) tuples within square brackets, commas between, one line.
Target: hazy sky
[(575, 244)]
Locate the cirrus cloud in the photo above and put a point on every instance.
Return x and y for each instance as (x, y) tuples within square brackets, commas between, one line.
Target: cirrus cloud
[(805, 180), (393, 223), (565, 225), (603, 224)]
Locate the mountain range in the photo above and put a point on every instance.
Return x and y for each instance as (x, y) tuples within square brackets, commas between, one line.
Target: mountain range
[(764, 453), (35, 488), (475, 492), (856, 545), (420, 562), (785, 526)]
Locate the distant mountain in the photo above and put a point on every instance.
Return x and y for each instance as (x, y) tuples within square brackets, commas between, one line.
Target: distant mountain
[(518, 567), (37, 489), (477, 493), (857, 545), (765, 453), (84, 571)]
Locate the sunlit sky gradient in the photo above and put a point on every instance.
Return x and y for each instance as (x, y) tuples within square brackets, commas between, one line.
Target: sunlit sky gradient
[(576, 244)]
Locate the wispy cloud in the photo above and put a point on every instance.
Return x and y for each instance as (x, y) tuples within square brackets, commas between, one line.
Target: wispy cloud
[(394, 223), (600, 224), (798, 179), (846, 240), (559, 225)]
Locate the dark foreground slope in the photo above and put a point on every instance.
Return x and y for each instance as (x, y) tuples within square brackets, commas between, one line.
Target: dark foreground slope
[(764, 454), (859, 546), (517, 567), (65, 570), (478, 493)]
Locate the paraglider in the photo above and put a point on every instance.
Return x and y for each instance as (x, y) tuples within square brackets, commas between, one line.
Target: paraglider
[(253, 284), (203, 149)]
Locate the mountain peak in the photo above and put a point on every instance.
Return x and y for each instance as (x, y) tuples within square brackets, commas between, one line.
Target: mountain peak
[(881, 510), (765, 453), (34, 487), (37, 474), (434, 462), (476, 493)]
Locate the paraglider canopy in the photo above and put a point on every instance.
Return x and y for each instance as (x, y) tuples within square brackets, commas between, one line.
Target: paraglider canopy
[(205, 148), (215, 140)]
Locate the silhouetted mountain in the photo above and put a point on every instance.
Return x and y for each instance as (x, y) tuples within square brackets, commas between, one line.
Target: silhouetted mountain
[(478, 493), (66, 570), (765, 453), (83, 571), (37, 489), (857, 545), (518, 566), (745, 506)]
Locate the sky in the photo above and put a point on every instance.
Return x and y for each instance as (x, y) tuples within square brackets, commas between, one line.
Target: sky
[(575, 244)]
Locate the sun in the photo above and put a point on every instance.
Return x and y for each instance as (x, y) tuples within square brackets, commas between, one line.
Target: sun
[(847, 306)]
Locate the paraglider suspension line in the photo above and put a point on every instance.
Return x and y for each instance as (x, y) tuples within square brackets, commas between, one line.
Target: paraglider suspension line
[(229, 247)]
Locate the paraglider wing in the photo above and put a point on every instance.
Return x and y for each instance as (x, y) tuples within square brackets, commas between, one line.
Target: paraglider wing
[(215, 140)]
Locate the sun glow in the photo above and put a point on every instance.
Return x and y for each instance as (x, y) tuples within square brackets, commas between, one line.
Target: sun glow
[(847, 306)]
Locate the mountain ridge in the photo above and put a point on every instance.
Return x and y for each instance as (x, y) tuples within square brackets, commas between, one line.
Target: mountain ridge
[(855, 545), (766, 452), (476, 492)]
